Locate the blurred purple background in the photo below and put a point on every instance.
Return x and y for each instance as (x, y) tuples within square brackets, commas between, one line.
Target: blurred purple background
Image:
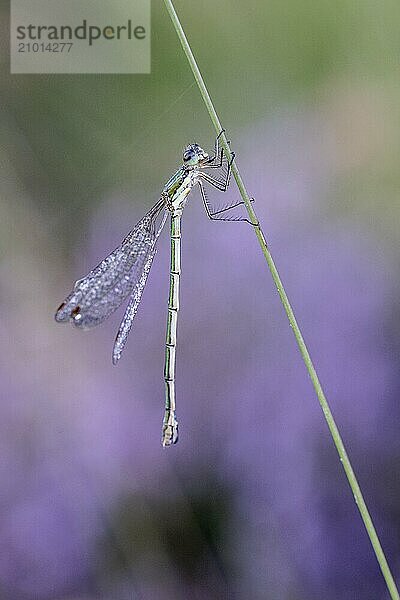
[(252, 502)]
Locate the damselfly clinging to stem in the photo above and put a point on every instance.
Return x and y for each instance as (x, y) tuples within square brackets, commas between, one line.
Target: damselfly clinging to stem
[(124, 272)]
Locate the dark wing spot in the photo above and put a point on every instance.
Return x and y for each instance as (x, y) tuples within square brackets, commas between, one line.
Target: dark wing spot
[(76, 311)]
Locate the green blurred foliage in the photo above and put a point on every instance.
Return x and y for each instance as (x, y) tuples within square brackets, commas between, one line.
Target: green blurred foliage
[(187, 533), (89, 134)]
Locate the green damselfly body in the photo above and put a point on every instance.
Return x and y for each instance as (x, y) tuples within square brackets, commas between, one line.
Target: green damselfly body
[(123, 273)]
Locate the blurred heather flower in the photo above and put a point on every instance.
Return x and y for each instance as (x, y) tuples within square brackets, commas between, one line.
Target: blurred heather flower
[(252, 502)]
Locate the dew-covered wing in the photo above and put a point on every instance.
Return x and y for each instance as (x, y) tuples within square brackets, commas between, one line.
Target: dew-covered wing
[(131, 309), (102, 291)]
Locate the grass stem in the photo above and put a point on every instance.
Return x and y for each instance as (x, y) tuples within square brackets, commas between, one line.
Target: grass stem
[(344, 459)]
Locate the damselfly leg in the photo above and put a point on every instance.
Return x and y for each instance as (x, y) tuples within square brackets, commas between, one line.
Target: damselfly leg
[(215, 161), (221, 184)]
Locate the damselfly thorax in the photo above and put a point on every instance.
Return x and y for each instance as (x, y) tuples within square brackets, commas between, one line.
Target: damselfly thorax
[(179, 186)]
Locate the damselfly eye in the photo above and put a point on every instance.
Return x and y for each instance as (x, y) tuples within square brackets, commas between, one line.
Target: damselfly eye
[(187, 155)]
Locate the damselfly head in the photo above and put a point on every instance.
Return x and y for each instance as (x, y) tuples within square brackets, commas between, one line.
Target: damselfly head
[(194, 155)]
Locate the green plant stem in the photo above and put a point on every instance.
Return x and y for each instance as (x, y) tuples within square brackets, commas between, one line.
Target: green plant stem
[(362, 507)]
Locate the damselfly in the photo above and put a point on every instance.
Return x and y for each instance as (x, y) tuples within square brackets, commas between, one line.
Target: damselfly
[(124, 272)]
